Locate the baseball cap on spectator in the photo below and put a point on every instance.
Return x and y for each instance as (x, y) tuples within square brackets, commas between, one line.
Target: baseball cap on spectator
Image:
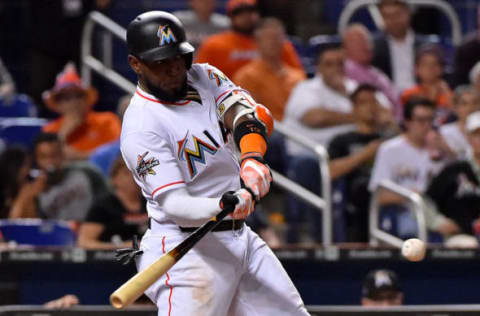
[(473, 122), (236, 6), (380, 284), (68, 81)]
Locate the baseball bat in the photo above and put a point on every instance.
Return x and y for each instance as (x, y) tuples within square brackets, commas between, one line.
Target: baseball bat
[(139, 283)]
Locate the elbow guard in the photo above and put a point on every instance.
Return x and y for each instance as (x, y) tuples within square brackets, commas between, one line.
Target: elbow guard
[(251, 135)]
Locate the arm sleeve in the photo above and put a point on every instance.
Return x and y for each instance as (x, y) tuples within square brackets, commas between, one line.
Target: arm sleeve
[(152, 162), (186, 210)]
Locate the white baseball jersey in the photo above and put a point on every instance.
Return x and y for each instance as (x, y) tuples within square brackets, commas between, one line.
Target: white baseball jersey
[(168, 146), (172, 145)]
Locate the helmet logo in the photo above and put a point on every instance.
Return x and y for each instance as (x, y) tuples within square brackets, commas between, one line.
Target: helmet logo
[(165, 35)]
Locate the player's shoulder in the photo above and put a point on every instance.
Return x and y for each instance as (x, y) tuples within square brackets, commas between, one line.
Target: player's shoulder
[(209, 77), (144, 114)]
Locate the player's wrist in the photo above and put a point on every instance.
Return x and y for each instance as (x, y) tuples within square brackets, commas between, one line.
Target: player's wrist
[(258, 156)]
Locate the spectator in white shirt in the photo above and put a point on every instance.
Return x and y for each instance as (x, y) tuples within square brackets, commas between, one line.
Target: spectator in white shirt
[(411, 161), (395, 48), (319, 108), (466, 100)]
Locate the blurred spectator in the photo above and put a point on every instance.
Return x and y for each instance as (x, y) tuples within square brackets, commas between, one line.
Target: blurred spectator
[(318, 108), (117, 216), (465, 101), (15, 164), (351, 159), (456, 190), (7, 86), (429, 67), (201, 21), (58, 190), (395, 47), (55, 33), (466, 56), (411, 160), (268, 78), (104, 155), (63, 302), (381, 288), (358, 45), (231, 50), (79, 126), (474, 76)]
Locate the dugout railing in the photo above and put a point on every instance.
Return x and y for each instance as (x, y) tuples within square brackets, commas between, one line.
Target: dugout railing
[(90, 62), (416, 205), (353, 6), (97, 310)]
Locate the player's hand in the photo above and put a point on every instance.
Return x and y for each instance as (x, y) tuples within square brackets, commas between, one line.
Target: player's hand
[(255, 175), (242, 201)]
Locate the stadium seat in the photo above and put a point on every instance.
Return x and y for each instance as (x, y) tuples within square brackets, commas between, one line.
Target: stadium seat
[(20, 131), (37, 232), (20, 106)]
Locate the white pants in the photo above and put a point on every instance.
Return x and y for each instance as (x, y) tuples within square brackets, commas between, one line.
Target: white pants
[(226, 273)]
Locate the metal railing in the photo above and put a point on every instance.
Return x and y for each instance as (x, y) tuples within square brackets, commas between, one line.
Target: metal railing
[(416, 205), (441, 5), (89, 62), (324, 204)]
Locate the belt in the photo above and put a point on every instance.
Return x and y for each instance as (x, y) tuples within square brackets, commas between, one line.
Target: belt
[(223, 226)]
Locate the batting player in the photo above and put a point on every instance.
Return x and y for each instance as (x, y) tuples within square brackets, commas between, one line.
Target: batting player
[(181, 136)]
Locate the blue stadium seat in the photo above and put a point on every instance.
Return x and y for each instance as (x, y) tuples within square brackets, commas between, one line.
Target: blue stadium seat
[(20, 106), (20, 131), (38, 232)]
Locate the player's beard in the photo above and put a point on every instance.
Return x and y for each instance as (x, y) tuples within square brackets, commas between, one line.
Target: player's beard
[(161, 94)]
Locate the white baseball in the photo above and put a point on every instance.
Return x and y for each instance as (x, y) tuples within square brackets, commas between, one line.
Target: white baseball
[(414, 249)]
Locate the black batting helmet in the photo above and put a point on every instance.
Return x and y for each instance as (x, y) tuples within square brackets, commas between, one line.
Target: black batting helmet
[(157, 35)]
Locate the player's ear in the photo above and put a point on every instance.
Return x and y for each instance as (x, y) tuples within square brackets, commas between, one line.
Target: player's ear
[(134, 64)]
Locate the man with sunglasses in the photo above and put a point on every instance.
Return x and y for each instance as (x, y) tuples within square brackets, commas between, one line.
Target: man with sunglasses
[(411, 160)]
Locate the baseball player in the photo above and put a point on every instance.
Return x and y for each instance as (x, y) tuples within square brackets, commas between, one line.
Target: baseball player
[(181, 136)]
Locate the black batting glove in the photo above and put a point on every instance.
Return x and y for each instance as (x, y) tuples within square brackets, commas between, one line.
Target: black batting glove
[(126, 255)]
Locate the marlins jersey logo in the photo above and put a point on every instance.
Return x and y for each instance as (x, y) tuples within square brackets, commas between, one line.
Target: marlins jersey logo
[(165, 35), (145, 167), (218, 76), (195, 156)]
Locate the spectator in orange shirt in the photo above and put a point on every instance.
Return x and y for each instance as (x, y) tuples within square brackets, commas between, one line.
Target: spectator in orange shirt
[(429, 69), (79, 126), (230, 50), (268, 78)]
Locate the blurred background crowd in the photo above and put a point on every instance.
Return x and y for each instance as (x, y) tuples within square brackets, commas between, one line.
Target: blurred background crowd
[(400, 102)]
